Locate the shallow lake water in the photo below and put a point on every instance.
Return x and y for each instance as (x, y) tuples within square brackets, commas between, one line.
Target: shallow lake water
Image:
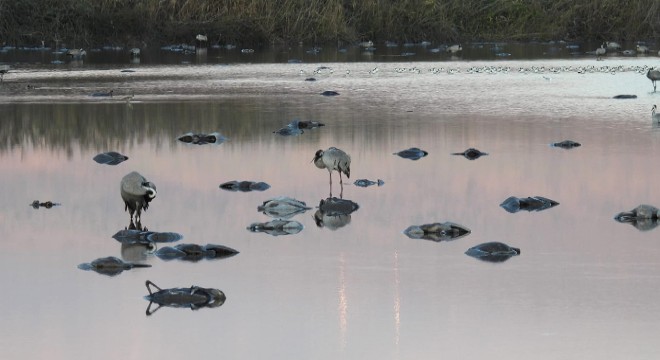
[(583, 287)]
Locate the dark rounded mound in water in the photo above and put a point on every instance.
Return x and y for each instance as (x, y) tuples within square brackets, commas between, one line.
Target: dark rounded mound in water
[(310, 79), (625, 97), (329, 93), (644, 217), (566, 144), (413, 153), (244, 186), (471, 154), (110, 158), (514, 204), (202, 139), (493, 251), (437, 231)]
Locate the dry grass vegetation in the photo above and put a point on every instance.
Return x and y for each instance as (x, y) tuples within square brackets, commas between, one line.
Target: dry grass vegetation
[(254, 22)]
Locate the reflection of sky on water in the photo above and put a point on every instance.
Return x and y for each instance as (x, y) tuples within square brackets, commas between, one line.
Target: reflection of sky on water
[(364, 290)]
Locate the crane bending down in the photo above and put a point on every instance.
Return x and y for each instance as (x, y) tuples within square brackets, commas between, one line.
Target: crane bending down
[(333, 159)]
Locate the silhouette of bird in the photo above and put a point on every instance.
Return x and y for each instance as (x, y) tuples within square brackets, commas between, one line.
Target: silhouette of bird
[(653, 75), (600, 51), (137, 192), (76, 53), (655, 117), (333, 159)]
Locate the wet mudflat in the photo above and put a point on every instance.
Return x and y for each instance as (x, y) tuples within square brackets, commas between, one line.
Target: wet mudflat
[(584, 285)]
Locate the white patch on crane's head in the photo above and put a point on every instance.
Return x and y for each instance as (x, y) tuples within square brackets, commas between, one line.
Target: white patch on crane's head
[(150, 188)]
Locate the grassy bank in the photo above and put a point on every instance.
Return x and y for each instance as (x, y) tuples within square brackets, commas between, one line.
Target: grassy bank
[(254, 22)]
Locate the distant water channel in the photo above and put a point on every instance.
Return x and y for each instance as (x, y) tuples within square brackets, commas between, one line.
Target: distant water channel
[(345, 286)]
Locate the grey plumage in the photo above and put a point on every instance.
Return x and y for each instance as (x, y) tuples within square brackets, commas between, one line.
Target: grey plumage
[(333, 159), (653, 75), (654, 116), (137, 192)]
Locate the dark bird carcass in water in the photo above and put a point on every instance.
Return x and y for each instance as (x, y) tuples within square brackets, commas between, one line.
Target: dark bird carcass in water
[(137, 192), (202, 139), (471, 154), (566, 144), (193, 298), (46, 204), (493, 252), (644, 217), (194, 252), (437, 231), (110, 158), (110, 266), (413, 153), (333, 159), (277, 227), (134, 236), (244, 186), (533, 203), (367, 182), (282, 207)]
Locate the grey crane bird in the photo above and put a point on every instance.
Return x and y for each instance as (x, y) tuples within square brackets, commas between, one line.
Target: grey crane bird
[(601, 51), (137, 192), (655, 116), (333, 159), (653, 75)]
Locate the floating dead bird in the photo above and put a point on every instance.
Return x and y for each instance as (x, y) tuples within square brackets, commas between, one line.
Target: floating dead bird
[(283, 207), (277, 227), (437, 231), (566, 144), (145, 237), (110, 158), (334, 213), (536, 203), (413, 153), (644, 217), (110, 266), (471, 154), (194, 252), (366, 182), (290, 129), (244, 186), (193, 298), (202, 139), (493, 252), (47, 204)]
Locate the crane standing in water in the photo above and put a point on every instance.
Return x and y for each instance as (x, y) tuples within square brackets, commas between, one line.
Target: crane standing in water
[(333, 159), (653, 75)]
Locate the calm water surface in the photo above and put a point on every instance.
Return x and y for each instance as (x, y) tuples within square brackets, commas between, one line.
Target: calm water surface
[(584, 287)]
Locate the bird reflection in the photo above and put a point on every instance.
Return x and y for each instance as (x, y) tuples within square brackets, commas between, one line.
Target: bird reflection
[(334, 213)]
